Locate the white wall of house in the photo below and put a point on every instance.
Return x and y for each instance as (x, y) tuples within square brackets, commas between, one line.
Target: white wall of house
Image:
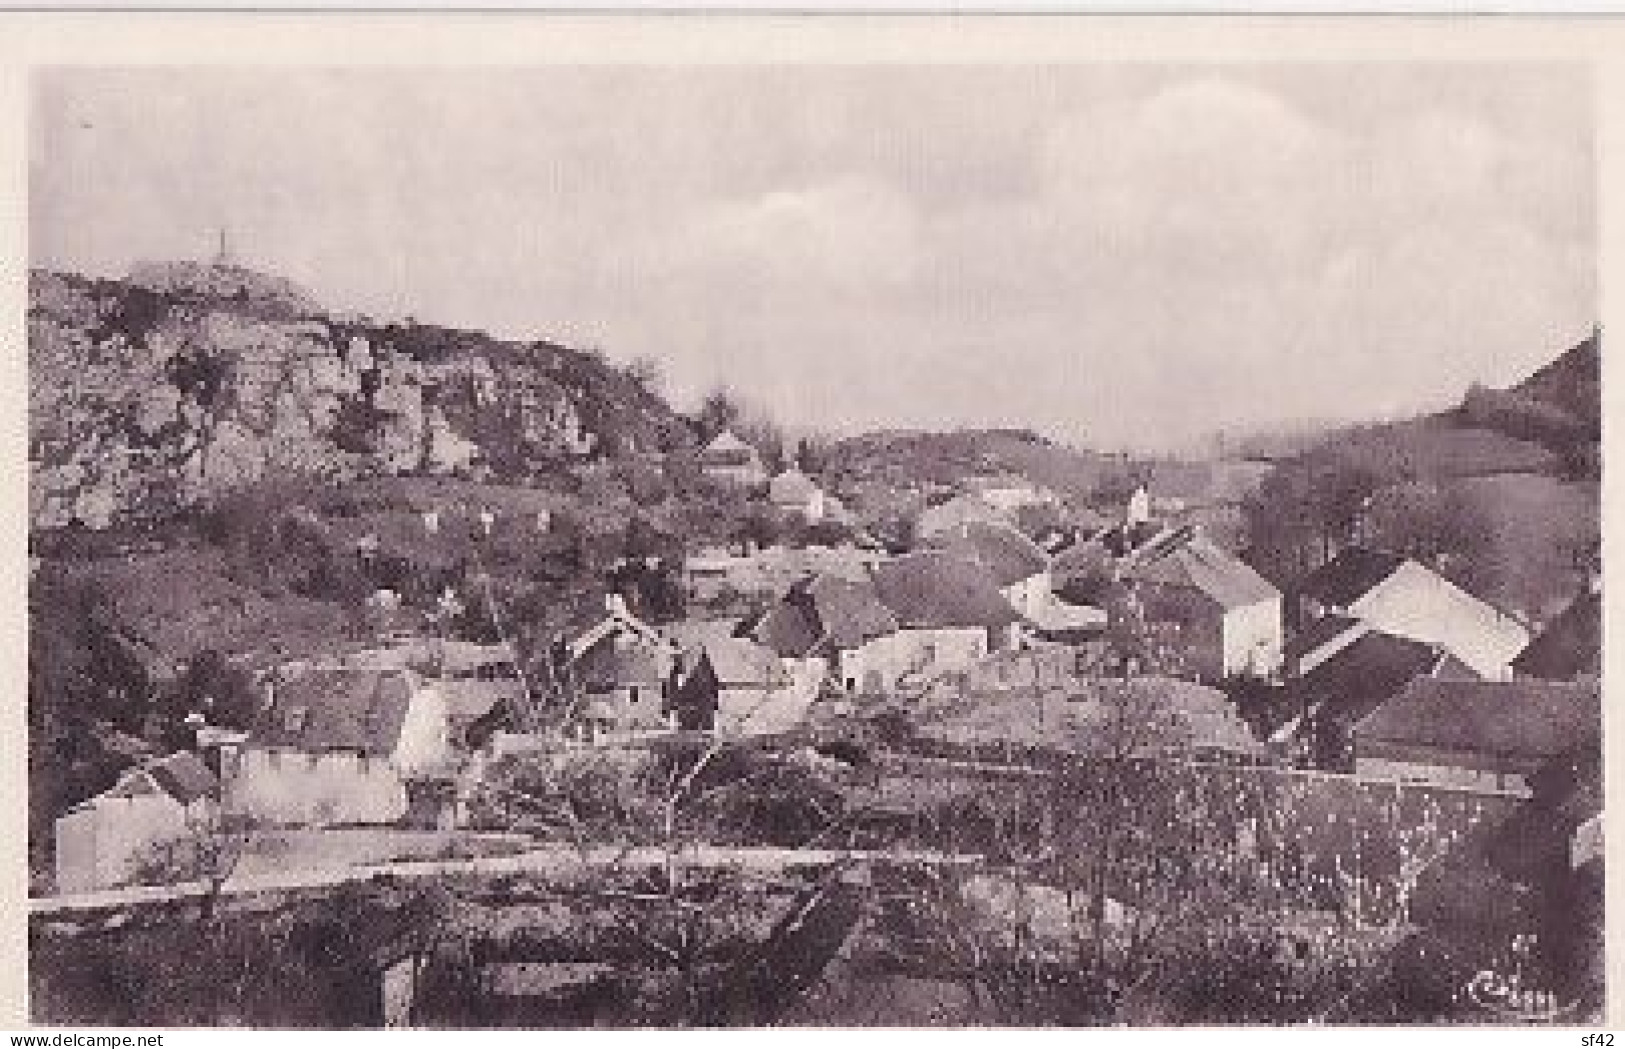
[(1009, 499), (1587, 843), (883, 661), (812, 509), (425, 738), (99, 844), (291, 787), (751, 711), (1442, 773), (747, 474), (1421, 605), (1252, 637), (1029, 596), (628, 706)]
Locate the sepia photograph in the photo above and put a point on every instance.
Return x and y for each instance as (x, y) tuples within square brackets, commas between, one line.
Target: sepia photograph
[(819, 544)]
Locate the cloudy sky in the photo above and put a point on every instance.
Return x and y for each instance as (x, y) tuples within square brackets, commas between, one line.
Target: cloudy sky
[(1120, 256)]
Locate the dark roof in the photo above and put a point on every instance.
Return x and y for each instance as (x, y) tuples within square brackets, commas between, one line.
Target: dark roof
[(1194, 561), (789, 629), (1516, 719), (1569, 647), (1364, 674), (847, 612), (1348, 576), (337, 709), (821, 610), (184, 777), (1005, 552), (1084, 557), (1321, 632), (935, 588), (1123, 539), (607, 665)]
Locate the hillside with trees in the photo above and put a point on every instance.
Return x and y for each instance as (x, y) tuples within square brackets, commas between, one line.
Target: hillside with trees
[(1500, 493)]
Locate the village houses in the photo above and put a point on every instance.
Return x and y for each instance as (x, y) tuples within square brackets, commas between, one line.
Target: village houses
[(621, 671), (734, 686), (949, 610), (1023, 572), (337, 745), (1482, 735), (729, 459), (837, 621), (793, 492), (104, 841), (1227, 618), (1403, 597)]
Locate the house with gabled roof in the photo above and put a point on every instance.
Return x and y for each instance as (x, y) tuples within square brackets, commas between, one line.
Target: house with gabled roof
[(950, 612), (338, 745), (734, 686), (102, 842), (1569, 648), (1404, 597), (1018, 565), (1224, 617), (621, 668), (729, 459), (1480, 735), (1024, 576), (1338, 690), (838, 621), (793, 492)]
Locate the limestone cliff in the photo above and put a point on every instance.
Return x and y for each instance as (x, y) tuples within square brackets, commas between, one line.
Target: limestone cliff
[(187, 380)]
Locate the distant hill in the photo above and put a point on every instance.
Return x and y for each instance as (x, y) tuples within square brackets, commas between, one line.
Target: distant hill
[(1572, 383), (188, 380), (898, 470), (1499, 492), (1547, 424)]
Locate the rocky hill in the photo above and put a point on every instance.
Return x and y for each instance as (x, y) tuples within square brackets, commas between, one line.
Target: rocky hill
[(189, 380)]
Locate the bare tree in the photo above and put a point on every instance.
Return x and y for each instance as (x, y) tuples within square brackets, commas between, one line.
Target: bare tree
[(208, 851)]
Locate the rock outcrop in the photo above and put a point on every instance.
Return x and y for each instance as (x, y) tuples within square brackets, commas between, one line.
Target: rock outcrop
[(189, 380)]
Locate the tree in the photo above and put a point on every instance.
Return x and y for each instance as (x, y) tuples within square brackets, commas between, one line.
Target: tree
[(209, 851), (720, 409), (761, 432), (219, 689), (1304, 513), (813, 452), (647, 374)]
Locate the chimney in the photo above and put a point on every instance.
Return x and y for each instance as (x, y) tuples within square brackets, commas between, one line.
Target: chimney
[(615, 604)]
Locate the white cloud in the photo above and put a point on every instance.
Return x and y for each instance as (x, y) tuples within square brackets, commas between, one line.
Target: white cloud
[(1123, 256), (849, 236)]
